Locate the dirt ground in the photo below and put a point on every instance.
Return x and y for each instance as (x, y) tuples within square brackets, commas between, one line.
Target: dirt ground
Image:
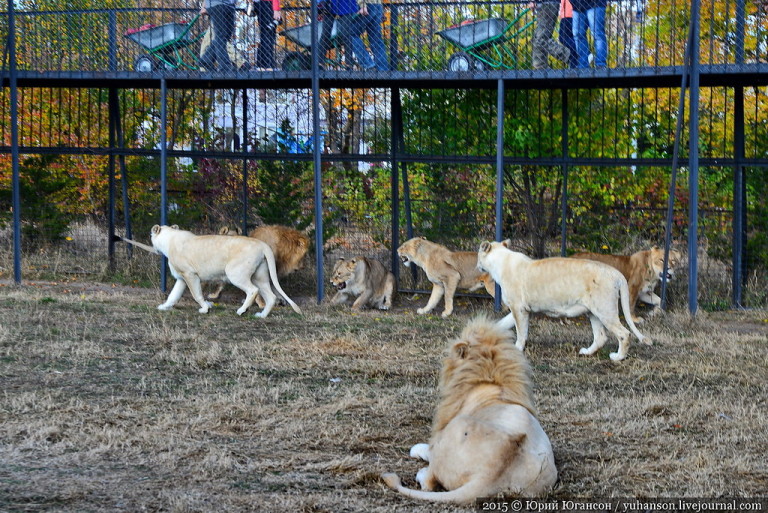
[(108, 404)]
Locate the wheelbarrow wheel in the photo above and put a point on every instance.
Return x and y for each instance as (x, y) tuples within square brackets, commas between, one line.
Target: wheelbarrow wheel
[(461, 61), (296, 61), (144, 64)]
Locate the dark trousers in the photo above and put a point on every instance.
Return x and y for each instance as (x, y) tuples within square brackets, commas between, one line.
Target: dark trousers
[(566, 39), (223, 23), (265, 55)]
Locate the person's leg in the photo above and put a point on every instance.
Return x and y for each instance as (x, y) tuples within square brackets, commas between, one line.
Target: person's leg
[(223, 21), (580, 36), (546, 15), (566, 39), (265, 55), (349, 32), (375, 39), (596, 18), (325, 38)]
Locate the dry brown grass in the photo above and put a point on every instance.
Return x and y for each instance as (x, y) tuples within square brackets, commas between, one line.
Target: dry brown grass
[(110, 405)]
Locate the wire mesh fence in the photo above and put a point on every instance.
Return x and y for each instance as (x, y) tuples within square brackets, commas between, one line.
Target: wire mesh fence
[(475, 38)]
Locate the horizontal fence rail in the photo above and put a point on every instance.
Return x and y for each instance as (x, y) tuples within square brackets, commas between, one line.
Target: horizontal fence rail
[(471, 39)]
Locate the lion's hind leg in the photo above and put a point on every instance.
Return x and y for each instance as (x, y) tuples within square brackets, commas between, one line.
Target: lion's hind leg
[(599, 336), (621, 333), (261, 278), (242, 280)]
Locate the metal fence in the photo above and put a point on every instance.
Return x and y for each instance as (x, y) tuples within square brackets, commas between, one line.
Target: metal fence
[(469, 38)]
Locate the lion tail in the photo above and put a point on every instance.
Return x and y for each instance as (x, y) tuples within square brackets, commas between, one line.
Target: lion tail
[(270, 256), (151, 249), (624, 297), (461, 495)]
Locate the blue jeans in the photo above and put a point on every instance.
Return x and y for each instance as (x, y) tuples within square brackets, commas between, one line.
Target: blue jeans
[(594, 19), (371, 25), (349, 32)]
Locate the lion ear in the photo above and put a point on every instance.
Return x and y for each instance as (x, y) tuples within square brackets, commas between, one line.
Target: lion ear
[(507, 243), (423, 238), (224, 230), (175, 226), (485, 246), (239, 230), (461, 349), (156, 229)]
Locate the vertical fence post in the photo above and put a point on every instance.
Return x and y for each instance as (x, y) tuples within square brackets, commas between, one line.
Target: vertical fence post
[(396, 120), (500, 92), (693, 158), (564, 152), (739, 208), (316, 159), (15, 179), (244, 142), (163, 174), (113, 107)]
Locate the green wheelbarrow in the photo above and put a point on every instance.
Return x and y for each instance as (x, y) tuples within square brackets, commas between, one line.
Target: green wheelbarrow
[(484, 43), (168, 46)]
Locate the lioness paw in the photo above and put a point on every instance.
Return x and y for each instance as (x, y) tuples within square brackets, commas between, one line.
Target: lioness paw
[(422, 311), (617, 357), (585, 351), (420, 451), (164, 307)]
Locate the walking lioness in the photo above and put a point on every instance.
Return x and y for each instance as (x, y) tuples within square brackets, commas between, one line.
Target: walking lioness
[(643, 271), (485, 436), (446, 269), (244, 262), (560, 287)]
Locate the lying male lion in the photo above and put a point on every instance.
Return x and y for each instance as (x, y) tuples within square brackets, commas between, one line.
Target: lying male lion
[(241, 261), (288, 245), (366, 278), (643, 271), (446, 269), (560, 287), (485, 436)]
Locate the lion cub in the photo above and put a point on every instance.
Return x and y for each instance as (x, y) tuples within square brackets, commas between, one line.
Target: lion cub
[(485, 436), (366, 278), (446, 269)]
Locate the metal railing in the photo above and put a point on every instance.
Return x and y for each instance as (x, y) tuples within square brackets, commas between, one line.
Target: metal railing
[(471, 38)]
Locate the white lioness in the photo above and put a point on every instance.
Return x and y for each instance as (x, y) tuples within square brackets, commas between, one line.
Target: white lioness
[(288, 245), (446, 269), (560, 287), (366, 278), (242, 261), (643, 271), (485, 436)]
